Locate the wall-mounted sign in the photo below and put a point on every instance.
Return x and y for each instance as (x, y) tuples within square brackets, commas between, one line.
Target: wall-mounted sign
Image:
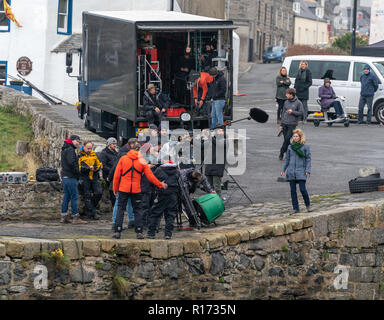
[(24, 66)]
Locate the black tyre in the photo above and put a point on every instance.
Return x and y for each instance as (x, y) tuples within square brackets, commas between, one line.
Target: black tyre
[(379, 112), (329, 124), (316, 123), (346, 124), (367, 184)]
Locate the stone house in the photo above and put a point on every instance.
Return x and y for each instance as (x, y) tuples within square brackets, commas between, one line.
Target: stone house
[(310, 27), (261, 23)]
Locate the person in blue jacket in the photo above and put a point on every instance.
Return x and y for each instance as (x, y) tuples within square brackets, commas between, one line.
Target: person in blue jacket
[(297, 168), (369, 85)]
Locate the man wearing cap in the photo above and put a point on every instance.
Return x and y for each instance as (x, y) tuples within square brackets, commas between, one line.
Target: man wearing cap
[(155, 104), (108, 157), (200, 90), (369, 85), (70, 176)]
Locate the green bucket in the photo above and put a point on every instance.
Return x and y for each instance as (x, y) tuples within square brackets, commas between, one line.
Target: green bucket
[(210, 207)]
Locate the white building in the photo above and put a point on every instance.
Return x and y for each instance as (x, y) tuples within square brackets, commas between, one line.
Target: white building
[(49, 27)]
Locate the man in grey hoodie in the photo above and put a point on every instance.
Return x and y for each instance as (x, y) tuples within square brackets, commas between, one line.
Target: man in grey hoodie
[(292, 111)]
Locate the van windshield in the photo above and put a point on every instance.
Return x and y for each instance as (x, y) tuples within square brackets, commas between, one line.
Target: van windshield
[(380, 67)]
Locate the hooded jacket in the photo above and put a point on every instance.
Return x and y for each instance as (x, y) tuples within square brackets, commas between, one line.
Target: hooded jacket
[(297, 111), (186, 177), (369, 84), (69, 163), (202, 82), (86, 161), (127, 176), (169, 174), (219, 87), (302, 83)]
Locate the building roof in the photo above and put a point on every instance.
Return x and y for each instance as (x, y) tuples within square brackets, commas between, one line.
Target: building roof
[(153, 16), (307, 11), (72, 42)]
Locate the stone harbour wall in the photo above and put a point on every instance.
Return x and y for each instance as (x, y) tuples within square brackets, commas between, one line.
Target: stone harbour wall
[(334, 254), (39, 201), (50, 129)]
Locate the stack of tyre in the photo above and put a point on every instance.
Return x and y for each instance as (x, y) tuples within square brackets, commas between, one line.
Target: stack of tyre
[(369, 180)]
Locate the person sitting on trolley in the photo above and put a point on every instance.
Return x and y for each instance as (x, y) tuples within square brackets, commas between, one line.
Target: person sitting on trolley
[(155, 104), (328, 98)]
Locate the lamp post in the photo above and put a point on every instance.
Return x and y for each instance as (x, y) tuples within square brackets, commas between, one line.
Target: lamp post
[(353, 49)]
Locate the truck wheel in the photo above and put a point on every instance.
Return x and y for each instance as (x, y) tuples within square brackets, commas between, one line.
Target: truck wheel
[(379, 113)]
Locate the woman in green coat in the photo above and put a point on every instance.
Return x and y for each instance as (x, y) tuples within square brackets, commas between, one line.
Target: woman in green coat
[(282, 82)]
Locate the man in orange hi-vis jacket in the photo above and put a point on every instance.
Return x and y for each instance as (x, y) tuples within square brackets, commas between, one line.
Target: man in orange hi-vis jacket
[(9, 14), (200, 91), (127, 182)]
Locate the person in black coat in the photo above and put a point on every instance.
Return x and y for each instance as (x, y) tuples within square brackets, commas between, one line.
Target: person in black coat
[(218, 91), (108, 157), (206, 60), (303, 82), (168, 200), (154, 104), (215, 171), (70, 179)]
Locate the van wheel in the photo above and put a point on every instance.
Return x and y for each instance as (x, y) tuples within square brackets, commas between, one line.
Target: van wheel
[(379, 112)]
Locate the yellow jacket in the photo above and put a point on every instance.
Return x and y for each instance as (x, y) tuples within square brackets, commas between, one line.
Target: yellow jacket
[(88, 160)]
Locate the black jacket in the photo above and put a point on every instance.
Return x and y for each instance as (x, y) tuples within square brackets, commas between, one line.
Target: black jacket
[(186, 176), (216, 169), (302, 83), (69, 162), (219, 87), (107, 158), (169, 174), (208, 63), (159, 100)]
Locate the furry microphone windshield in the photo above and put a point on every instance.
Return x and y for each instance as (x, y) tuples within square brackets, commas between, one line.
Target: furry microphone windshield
[(258, 115)]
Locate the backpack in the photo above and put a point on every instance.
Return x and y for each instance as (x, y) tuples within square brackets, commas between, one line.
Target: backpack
[(47, 174)]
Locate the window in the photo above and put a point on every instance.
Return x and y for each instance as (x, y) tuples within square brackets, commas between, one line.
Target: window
[(335, 70), (380, 67), (4, 21), (265, 14), (258, 13), (64, 17), (358, 70), (3, 73)]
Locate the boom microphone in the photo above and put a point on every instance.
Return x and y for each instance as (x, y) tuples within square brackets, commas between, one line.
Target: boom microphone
[(258, 115)]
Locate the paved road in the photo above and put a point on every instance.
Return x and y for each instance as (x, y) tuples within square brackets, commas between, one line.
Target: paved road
[(337, 152)]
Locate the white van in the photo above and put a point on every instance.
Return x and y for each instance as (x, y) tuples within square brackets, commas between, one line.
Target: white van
[(346, 72)]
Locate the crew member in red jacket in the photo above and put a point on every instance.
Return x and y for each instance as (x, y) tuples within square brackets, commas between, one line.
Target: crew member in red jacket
[(127, 181), (200, 91)]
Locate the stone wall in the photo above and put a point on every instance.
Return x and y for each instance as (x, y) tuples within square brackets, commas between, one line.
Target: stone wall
[(39, 201), (290, 258), (49, 128)]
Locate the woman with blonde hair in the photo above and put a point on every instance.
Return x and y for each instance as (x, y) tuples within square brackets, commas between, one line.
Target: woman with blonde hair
[(302, 83), (282, 82), (297, 168)]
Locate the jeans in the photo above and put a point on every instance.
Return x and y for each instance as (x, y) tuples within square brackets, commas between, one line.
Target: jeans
[(338, 108), (287, 132), (368, 101), (70, 194), (304, 193), (305, 108), (122, 204), (129, 210), (217, 113)]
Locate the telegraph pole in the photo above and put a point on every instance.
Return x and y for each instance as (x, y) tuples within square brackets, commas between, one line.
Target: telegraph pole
[(354, 28)]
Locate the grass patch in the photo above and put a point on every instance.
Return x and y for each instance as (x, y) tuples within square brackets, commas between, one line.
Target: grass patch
[(13, 127)]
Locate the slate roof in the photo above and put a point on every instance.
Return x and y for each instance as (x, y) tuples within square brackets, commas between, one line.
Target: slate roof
[(74, 41), (307, 11)]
